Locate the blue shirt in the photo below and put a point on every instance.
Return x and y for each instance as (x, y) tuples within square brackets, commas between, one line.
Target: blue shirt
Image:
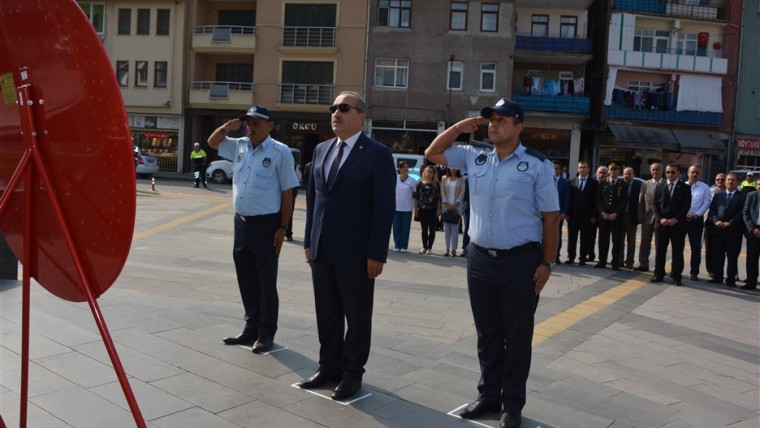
[(506, 197), (260, 175)]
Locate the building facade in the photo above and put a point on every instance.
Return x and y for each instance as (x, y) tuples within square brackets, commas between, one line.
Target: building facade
[(746, 136)]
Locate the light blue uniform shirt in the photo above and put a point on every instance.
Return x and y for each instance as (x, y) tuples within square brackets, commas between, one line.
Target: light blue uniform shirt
[(260, 175), (506, 197)]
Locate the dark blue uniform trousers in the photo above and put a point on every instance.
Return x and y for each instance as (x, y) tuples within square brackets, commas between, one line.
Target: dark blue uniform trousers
[(343, 296), (256, 266), (503, 301)]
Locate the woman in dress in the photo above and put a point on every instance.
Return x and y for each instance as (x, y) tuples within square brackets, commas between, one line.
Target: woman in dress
[(428, 207)]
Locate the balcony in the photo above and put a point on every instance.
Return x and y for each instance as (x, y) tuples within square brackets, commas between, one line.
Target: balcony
[(308, 40), (224, 39), (306, 94), (552, 49), (624, 112), (553, 103), (223, 94), (705, 10), (672, 59)]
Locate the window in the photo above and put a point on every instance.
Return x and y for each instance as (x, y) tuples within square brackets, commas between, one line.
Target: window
[(648, 40), (454, 81), (394, 13), (539, 26), (122, 73), (458, 16), (568, 27), (643, 86), (162, 21), (488, 77), (241, 73), (307, 82), (391, 73), (245, 18), (489, 17), (143, 21), (160, 74), (686, 44), (96, 14), (141, 73), (311, 25), (125, 21)]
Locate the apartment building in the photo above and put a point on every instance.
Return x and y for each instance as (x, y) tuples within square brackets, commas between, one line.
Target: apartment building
[(746, 135), (667, 96), (145, 43), (292, 56)]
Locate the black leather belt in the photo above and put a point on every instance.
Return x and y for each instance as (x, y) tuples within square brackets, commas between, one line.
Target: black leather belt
[(248, 218), (506, 253)]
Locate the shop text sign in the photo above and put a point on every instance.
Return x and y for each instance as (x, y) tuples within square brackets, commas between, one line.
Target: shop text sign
[(748, 146), (305, 126)]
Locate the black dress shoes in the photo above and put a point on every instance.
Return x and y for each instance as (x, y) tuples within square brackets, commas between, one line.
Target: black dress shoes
[(244, 338), (318, 379), (262, 345), (600, 265), (716, 281), (748, 287), (656, 279), (694, 277), (510, 420), (480, 408), (640, 268), (346, 389), (677, 282), (581, 262)]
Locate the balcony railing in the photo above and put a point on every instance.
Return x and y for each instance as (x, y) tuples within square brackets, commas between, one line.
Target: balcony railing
[(617, 111), (553, 103), (553, 44), (219, 89), (694, 9), (304, 93), (708, 63), (223, 33), (310, 37)]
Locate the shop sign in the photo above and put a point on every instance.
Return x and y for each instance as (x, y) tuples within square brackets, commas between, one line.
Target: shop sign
[(748, 146), (305, 126)]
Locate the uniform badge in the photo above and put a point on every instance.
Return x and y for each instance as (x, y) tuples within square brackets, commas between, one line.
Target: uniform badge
[(240, 157), (522, 166), (481, 159), (266, 162)]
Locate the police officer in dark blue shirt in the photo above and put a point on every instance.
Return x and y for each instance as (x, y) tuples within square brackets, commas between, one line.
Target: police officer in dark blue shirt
[(514, 229)]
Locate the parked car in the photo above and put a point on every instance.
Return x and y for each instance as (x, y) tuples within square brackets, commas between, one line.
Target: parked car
[(220, 170), (145, 165)]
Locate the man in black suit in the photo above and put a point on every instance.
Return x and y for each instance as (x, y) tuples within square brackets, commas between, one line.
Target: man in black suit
[(630, 215), (349, 210), (727, 228), (610, 202), (751, 214), (583, 214), (672, 199)]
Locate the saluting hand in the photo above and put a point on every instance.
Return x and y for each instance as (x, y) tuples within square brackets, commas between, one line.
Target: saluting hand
[(470, 124)]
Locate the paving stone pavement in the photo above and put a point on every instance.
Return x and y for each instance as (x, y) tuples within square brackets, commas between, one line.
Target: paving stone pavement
[(652, 355)]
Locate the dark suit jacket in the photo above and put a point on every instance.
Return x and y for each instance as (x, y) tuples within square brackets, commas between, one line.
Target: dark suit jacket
[(631, 204), (352, 221), (721, 209), (750, 211), (563, 189), (583, 204), (611, 198), (676, 206)]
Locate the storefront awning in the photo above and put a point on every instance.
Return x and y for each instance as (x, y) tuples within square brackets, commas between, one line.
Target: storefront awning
[(646, 138), (700, 142)]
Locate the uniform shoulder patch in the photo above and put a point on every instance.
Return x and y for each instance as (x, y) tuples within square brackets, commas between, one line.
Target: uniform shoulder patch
[(535, 153)]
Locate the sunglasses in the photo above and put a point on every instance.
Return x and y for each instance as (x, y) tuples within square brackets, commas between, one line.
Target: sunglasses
[(344, 108), (720, 179), (670, 172)]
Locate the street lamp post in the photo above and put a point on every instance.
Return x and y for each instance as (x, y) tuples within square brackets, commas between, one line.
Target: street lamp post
[(448, 106)]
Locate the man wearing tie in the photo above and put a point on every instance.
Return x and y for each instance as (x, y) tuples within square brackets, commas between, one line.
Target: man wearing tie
[(583, 214), (631, 215), (727, 229), (751, 214), (646, 216), (672, 199), (349, 211)]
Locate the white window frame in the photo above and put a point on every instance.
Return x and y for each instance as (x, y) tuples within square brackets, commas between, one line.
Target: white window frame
[(89, 9), (486, 69), (141, 74), (687, 44), (654, 37), (400, 69), (456, 67)]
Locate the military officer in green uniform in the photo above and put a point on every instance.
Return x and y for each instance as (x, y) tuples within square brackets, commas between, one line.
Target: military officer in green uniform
[(610, 202)]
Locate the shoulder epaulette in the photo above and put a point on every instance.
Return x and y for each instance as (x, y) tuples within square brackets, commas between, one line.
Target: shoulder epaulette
[(536, 154)]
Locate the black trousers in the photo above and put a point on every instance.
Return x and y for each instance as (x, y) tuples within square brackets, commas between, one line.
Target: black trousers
[(615, 230), (343, 297), (429, 223), (587, 232), (675, 236), (503, 302), (753, 256), (694, 231), (726, 247), (289, 230), (256, 267), (199, 171)]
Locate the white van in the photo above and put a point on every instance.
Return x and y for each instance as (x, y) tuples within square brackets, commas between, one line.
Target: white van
[(415, 163)]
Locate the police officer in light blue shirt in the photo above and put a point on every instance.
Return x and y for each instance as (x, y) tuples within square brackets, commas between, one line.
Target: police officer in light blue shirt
[(263, 179), (514, 231)]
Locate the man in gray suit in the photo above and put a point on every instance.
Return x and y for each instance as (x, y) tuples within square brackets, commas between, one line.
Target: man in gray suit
[(646, 216)]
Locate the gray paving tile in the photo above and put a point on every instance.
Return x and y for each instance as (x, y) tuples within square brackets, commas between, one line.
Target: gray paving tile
[(407, 414), (203, 393), (153, 402), (40, 380), (84, 409), (565, 392), (549, 414), (35, 417), (137, 364), (634, 410), (194, 418), (257, 414), (79, 369)]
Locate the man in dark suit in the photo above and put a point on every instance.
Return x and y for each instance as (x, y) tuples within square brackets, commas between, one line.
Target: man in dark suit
[(349, 210), (727, 229), (672, 199), (610, 201), (751, 214), (630, 215), (563, 189), (583, 214)]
